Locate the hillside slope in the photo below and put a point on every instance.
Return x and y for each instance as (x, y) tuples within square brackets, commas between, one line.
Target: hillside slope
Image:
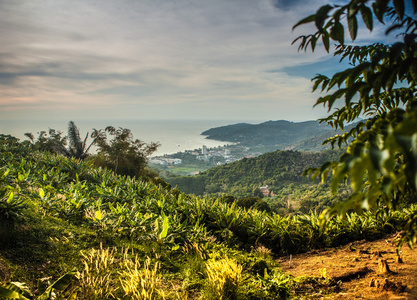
[(276, 169), (283, 133), (58, 215)]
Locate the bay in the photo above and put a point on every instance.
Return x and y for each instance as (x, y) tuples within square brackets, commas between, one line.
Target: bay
[(173, 135)]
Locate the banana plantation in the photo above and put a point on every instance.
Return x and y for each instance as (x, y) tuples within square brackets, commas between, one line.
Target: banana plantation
[(71, 230)]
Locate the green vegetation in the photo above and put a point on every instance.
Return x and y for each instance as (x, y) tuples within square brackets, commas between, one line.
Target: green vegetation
[(189, 164), (282, 171), (70, 146), (133, 239), (130, 235), (122, 154), (381, 159), (273, 135)]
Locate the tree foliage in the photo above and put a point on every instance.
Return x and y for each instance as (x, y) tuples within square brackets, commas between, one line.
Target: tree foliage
[(51, 141), (70, 146), (77, 147), (122, 154), (381, 159), (282, 171)]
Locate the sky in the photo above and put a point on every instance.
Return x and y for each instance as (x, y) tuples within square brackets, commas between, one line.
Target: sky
[(158, 59)]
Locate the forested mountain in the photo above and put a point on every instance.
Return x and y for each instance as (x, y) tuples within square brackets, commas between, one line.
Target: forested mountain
[(268, 133), (274, 135), (276, 169)]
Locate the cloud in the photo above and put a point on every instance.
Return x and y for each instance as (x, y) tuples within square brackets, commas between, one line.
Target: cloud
[(150, 58), (287, 4)]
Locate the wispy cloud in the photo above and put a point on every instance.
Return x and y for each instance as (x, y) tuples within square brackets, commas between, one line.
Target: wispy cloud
[(141, 59)]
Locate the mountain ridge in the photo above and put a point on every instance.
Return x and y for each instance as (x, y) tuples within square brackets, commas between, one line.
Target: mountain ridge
[(305, 135)]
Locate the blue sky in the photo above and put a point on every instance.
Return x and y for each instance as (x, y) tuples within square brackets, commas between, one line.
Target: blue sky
[(154, 59)]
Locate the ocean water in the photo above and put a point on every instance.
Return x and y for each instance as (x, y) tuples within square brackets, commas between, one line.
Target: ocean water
[(173, 135)]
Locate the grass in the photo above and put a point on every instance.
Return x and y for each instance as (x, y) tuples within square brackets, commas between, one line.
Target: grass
[(224, 278), (177, 170)]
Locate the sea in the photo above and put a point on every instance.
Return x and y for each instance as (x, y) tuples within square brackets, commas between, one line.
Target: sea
[(172, 135)]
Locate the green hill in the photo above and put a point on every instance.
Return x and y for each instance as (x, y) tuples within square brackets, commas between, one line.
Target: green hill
[(274, 135), (116, 237), (282, 171), (268, 133), (274, 168)]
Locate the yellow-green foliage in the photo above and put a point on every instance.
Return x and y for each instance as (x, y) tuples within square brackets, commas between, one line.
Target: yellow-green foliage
[(109, 275), (262, 251), (141, 284), (96, 279), (224, 277)]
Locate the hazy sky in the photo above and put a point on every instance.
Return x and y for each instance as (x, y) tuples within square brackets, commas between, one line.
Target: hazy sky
[(157, 59)]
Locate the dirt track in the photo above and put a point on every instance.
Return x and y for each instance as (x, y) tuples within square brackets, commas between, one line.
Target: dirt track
[(354, 266)]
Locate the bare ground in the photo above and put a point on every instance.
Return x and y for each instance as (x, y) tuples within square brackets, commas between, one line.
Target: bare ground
[(357, 271)]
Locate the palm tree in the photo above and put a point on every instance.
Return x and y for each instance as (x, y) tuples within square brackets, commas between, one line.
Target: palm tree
[(77, 148), (70, 146), (30, 136)]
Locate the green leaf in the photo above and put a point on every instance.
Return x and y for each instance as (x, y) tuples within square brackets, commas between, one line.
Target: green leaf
[(380, 8), (353, 26), (305, 20), (98, 215), (337, 33), (313, 42), (326, 41), (324, 100), (41, 193), (20, 177), (59, 285), (399, 8), (10, 294), (366, 13), (11, 197), (5, 173), (175, 247), (165, 227), (322, 15), (357, 171)]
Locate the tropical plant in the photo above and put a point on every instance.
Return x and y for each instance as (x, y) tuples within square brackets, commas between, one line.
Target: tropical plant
[(272, 286), (77, 147), (122, 154), (11, 205), (381, 160), (70, 146), (51, 141), (63, 288)]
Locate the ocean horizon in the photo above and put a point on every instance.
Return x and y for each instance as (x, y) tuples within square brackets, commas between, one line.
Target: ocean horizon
[(173, 135)]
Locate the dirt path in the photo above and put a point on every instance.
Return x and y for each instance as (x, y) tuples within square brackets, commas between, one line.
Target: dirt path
[(353, 267)]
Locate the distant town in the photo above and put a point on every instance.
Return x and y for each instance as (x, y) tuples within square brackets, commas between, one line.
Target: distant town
[(202, 158)]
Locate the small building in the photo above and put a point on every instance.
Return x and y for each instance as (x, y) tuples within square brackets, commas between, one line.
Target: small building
[(266, 192), (203, 157), (174, 161), (158, 162)]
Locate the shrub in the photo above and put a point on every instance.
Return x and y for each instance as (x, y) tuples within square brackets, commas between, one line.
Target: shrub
[(141, 283), (96, 279), (224, 277)]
